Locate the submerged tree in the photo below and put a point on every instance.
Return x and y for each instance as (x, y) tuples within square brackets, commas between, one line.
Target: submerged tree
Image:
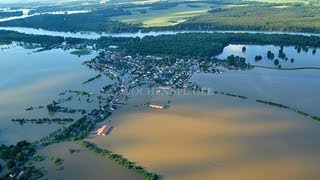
[(244, 49), (258, 58), (292, 60), (314, 51), (281, 55), (270, 55), (298, 49)]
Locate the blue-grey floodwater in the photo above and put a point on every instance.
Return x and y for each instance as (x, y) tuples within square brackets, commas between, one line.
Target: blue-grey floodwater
[(33, 79)]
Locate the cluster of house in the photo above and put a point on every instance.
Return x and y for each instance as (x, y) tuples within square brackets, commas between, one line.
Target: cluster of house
[(130, 72), (149, 69), (16, 174)]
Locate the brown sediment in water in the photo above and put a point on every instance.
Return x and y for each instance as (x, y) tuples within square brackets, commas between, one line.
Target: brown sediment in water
[(82, 164), (217, 138), (25, 92)]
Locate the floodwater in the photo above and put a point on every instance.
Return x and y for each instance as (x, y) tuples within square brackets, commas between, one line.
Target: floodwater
[(198, 137), (296, 88), (33, 79), (27, 15), (217, 137), (302, 59), (93, 35), (221, 137), (82, 164)]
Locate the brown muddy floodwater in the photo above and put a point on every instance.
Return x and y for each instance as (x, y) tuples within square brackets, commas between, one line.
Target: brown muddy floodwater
[(82, 164), (198, 137), (221, 137)]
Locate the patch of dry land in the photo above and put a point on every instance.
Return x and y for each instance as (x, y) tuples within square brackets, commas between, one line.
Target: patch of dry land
[(81, 164), (163, 17), (216, 137)]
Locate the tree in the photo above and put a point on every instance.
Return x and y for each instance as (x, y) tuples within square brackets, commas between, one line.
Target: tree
[(258, 58), (244, 49), (19, 156), (10, 163), (314, 51), (292, 60), (231, 60), (270, 55), (276, 62), (281, 55), (299, 49)]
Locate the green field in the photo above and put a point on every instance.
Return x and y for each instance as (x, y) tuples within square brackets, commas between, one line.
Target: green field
[(259, 16), (163, 17), (132, 16)]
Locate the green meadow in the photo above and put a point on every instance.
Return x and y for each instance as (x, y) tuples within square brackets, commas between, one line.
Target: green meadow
[(164, 17)]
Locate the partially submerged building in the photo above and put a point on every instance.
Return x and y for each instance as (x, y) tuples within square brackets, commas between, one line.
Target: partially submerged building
[(157, 106), (104, 130)]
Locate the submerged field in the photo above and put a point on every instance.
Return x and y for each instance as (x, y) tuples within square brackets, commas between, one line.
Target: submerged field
[(201, 137), (32, 79), (227, 134), (223, 137), (80, 164), (217, 137)]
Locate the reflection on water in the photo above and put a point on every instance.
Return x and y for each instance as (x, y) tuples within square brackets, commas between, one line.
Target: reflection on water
[(297, 89), (32, 79), (302, 59)]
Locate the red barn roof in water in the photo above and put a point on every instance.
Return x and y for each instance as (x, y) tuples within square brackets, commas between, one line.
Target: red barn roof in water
[(104, 130), (158, 106)]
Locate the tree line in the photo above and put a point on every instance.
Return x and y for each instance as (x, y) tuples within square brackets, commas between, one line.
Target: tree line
[(97, 21), (201, 45)]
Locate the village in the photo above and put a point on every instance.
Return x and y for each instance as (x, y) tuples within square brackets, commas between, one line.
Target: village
[(163, 73), (155, 73)]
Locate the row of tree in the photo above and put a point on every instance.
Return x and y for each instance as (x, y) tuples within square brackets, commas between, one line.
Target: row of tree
[(97, 21), (119, 159), (16, 154), (203, 45)]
